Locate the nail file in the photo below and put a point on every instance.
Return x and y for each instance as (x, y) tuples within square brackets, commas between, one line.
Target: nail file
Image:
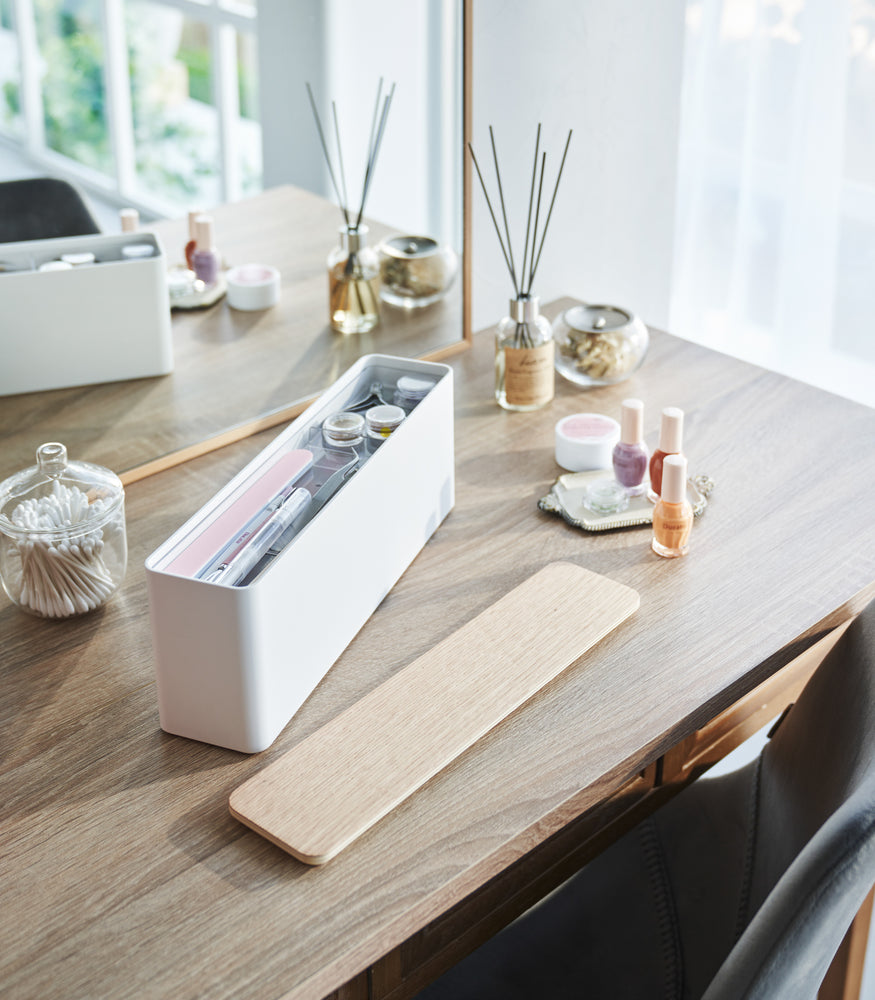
[(286, 470), (335, 784)]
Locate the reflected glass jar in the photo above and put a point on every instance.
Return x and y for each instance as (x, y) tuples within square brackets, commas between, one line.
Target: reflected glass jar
[(353, 283), (598, 344), (63, 546), (415, 271)]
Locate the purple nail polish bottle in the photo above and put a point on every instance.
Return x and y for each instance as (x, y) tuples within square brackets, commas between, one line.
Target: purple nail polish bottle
[(205, 259), (630, 453)]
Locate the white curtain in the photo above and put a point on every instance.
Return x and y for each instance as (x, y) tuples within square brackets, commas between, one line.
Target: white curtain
[(775, 236)]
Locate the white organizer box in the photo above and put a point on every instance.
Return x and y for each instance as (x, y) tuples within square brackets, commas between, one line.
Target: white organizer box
[(234, 663), (100, 322)]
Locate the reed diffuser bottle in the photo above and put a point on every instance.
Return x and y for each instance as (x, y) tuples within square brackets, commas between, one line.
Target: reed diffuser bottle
[(523, 341), (524, 357), (353, 283), (353, 266)]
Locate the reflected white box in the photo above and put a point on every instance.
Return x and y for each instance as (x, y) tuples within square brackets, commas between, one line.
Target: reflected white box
[(234, 663), (101, 322)]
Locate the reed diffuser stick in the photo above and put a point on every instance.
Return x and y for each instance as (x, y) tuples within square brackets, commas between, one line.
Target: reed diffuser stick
[(550, 212), (374, 142), (524, 280)]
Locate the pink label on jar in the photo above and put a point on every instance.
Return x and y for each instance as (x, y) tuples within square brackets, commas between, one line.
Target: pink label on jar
[(588, 425)]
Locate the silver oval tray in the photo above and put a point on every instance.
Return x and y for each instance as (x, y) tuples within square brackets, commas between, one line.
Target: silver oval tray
[(566, 499)]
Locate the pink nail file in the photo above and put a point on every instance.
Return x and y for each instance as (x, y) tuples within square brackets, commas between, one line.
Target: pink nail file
[(286, 470)]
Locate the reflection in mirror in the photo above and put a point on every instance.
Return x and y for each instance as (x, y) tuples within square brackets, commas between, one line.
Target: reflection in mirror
[(237, 372)]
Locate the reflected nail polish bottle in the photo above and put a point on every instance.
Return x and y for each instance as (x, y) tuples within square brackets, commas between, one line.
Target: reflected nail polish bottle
[(630, 453), (671, 432), (129, 219), (191, 246), (672, 515), (205, 259)]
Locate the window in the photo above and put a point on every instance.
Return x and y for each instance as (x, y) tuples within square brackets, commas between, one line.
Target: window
[(153, 100)]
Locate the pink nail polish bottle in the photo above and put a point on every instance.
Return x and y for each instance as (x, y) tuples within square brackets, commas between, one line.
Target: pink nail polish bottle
[(630, 453), (205, 259)]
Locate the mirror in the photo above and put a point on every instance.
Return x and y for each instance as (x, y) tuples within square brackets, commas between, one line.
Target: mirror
[(235, 372)]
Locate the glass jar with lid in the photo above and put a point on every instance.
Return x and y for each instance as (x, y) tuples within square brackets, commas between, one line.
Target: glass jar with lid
[(63, 545), (599, 344), (415, 271)]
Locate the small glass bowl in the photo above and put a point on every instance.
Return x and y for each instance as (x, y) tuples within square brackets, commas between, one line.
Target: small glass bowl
[(598, 344), (606, 496), (415, 271)]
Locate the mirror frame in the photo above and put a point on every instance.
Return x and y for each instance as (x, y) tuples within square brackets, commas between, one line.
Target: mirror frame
[(287, 413)]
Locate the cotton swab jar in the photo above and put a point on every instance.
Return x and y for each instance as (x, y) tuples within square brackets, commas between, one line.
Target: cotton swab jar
[(63, 545)]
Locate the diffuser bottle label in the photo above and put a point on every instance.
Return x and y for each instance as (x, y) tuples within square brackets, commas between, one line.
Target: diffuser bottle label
[(528, 374)]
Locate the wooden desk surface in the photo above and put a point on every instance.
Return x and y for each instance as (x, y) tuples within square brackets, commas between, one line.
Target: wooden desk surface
[(229, 366), (123, 874)]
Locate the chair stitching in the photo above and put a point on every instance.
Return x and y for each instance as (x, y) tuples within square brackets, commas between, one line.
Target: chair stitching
[(753, 817), (666, 911)]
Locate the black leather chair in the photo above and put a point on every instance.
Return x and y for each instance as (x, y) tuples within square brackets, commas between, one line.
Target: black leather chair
[(40, 208), (741, 887)]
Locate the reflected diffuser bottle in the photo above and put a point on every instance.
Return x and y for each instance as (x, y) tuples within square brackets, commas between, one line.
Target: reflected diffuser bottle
[(673, 515), (353, 283), (671, 431), (630, 453), (524, 378)]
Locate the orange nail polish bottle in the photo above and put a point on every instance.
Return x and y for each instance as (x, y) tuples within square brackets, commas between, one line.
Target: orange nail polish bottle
[(671, 431), (191, 246), (672, 515)]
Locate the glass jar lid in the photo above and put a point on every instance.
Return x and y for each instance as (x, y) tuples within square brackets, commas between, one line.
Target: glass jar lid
[(596, 319), (407, 247), (58, 497)]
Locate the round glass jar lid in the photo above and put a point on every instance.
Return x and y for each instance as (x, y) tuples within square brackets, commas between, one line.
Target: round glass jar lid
[(596, 319), (407, 247)]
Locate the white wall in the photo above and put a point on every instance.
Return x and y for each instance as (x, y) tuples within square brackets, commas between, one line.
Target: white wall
[(611, 71), (608, 69)]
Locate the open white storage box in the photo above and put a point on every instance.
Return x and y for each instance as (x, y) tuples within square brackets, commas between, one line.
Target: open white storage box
[(234, 663), (98, 322)]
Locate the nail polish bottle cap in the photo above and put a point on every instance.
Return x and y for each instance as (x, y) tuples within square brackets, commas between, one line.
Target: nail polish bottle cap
[(671, 430), (193, 215), (130, 220), (631, 421), (674, 479), (203, 232)]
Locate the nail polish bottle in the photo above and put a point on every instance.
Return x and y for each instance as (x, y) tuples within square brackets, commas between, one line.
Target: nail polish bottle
[(671, 432), (129, 218), (205, 259), (630, 453), (192, 240), (672, 515)]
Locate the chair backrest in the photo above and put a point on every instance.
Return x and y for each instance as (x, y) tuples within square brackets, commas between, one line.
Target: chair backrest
[(813, 847), (40, 208)]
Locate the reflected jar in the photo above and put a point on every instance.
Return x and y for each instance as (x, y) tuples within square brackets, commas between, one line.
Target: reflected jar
[(63, 545), (353, 283), (415, 271), (524, 357)]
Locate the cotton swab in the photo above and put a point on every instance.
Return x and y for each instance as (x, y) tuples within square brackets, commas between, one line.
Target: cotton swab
[(60, 575)]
